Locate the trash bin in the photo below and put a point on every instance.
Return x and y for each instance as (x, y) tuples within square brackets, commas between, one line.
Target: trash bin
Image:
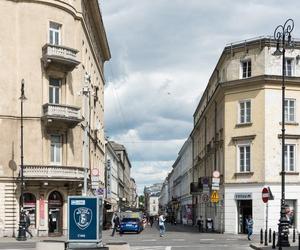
[(209, 225)]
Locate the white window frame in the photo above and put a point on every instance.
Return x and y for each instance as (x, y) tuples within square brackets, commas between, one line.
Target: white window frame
[(247, 74), (289, 72), (287, 162), (243, 169), (56, 150), (56, 33), (246, 116), (288, 110), (52, 91)]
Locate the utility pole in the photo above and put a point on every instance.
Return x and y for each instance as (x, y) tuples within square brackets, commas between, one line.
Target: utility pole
[(86, 115)]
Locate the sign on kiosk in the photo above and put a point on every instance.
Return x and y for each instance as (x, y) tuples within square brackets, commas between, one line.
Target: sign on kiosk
[(84, 219)]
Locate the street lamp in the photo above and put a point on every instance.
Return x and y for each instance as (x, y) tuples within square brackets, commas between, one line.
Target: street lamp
[(22, 223), (282, 35)]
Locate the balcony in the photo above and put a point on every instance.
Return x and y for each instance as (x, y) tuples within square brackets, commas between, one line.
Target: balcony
[(59, 57), (58, 113), (49, 172)]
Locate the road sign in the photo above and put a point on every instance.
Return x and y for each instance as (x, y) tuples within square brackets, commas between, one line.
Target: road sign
[(265, 195), (216, 174), (214, 197), (95, 172), (205, 198)]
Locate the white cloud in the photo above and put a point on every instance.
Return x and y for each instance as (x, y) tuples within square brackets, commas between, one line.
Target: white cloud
[(162, 57)]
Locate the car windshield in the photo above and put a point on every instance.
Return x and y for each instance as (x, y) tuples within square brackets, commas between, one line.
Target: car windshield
[(130, 220)]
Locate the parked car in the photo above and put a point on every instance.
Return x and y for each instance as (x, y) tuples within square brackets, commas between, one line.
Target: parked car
[(131, 225)]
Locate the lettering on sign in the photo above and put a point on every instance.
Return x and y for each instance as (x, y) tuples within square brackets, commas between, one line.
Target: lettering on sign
[(243, 196)]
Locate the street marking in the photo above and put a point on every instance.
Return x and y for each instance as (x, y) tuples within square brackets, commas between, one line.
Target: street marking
[(150, 240), (178, 239), (168, 248), (207, 239)]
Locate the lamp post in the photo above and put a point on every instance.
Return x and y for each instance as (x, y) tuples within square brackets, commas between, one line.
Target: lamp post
[(282, 35), (22, 223)]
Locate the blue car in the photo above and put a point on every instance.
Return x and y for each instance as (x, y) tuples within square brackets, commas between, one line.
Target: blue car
[(131, 225)]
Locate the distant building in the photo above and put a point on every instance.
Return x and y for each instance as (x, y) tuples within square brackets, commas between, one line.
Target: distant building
[(151, 194)]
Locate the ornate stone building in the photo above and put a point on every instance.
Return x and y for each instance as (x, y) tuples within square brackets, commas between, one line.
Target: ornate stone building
[(59, 49)]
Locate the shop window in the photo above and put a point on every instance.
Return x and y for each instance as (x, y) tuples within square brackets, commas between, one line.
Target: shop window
[(30, 206), (290, 209)]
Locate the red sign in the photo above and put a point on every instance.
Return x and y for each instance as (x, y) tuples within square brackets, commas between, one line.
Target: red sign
[(265, 195), (42, 210)]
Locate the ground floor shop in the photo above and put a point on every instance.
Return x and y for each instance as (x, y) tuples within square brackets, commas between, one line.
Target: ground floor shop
[(242, 201), (186, 210), (46, 204)]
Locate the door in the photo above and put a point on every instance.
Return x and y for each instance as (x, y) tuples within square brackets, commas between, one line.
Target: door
[(244, 210), (55, 203)]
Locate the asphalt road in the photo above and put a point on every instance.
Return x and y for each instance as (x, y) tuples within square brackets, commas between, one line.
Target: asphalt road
[(179, 237)]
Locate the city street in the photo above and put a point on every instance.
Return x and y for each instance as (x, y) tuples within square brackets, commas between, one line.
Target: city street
[(179, 237)]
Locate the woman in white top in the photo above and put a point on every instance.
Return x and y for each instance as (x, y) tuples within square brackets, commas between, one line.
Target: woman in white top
[(161, 223)]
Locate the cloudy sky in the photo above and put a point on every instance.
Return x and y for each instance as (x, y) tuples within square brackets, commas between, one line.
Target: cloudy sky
[(163, 52)]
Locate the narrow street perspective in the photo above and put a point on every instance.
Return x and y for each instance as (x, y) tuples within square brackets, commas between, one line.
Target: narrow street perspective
[(164, 125)]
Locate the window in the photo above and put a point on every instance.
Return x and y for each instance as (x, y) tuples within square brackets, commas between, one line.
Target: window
[(244, 158), (245, 112), (54, 90), (55, 149), (289, 157), (246, 69), (154, 208), (54, 33), (289, 110), (288, 67)]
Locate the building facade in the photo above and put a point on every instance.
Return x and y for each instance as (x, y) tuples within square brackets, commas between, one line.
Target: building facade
[(237, 131), (59, 49)]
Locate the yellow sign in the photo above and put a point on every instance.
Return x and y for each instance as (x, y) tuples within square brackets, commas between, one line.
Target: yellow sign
[(214, 197)]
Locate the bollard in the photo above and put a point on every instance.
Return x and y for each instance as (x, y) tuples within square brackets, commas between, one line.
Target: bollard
[(294, 234), (261, 236), (270, 235), (274, 239), (266, 237)]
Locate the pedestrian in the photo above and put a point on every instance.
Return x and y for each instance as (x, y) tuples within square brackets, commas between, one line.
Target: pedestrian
[(200, 223), (27, 224), (249, 226), (116, 221), (151, 219), (161, 223)]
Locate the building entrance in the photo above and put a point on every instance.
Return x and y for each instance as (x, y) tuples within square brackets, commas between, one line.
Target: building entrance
[(244, 210), (55, 205)]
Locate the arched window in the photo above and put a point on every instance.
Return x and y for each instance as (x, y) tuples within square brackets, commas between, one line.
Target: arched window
[(55, 199)]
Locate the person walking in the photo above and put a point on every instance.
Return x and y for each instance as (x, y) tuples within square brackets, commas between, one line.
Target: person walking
[(161, 223), (151, 220), (116, 222), (249, 226), (27, 224), (200, 223)]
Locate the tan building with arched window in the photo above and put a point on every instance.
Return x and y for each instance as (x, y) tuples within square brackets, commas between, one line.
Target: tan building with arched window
[(59, 49)]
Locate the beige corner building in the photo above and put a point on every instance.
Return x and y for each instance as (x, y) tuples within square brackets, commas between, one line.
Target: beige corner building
[(237, 131), (59, 49)]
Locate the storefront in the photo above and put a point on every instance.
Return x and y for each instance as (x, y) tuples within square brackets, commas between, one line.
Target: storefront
[(244, 208), (55, 214)]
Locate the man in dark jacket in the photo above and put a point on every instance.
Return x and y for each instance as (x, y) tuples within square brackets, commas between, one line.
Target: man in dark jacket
[(116, 221), (27, 225)]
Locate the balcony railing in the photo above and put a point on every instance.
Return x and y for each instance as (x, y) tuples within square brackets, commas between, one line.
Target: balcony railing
[(60, 57), (61, 113), (41, 172)]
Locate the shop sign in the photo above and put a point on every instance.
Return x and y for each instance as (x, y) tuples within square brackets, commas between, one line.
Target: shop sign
[(243, 196), (42, 210)]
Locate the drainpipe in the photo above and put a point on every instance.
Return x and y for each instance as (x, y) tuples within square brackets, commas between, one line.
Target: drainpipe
[(86, 114)]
